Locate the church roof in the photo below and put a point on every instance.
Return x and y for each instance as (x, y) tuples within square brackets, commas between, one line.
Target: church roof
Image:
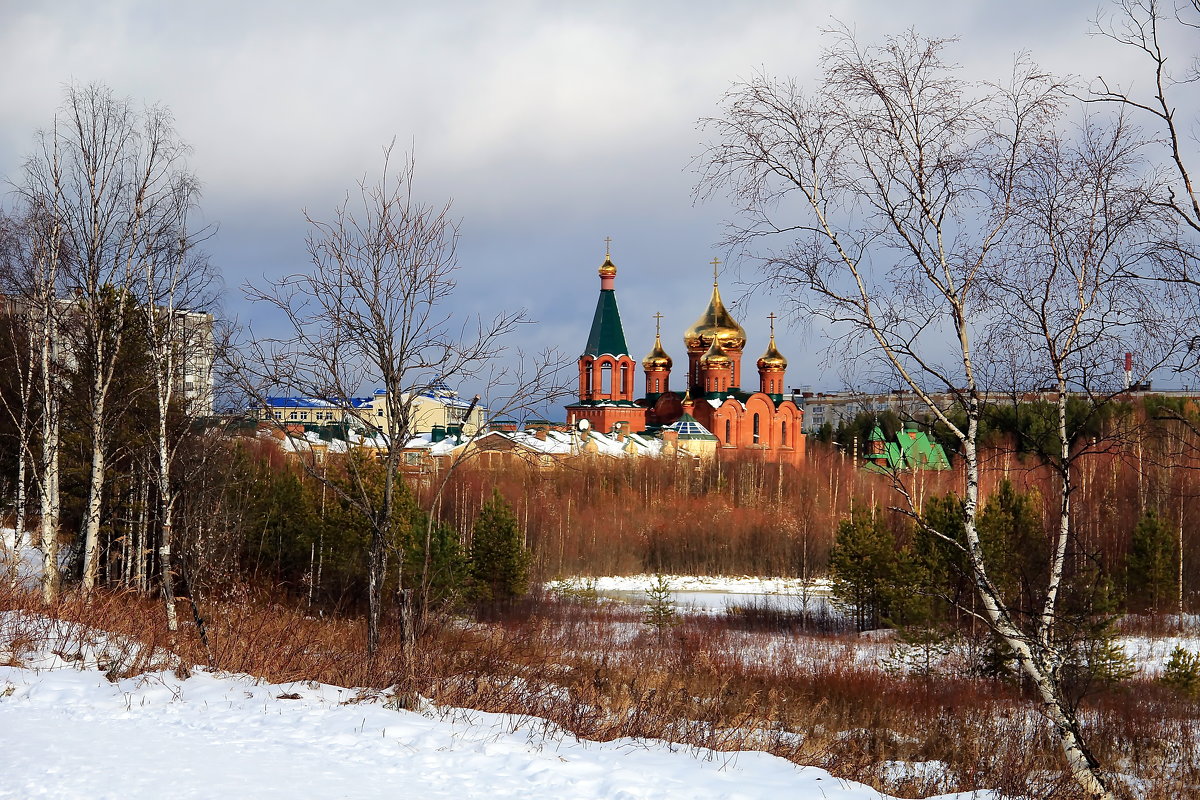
[(716, 323), (657, 358), (607, 335), (690, 429), (772, 359)]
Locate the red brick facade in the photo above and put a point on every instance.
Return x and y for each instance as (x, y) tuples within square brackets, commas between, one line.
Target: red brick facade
[(748, 424)]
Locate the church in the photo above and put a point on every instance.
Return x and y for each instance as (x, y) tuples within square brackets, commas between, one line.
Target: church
[(748, 424)]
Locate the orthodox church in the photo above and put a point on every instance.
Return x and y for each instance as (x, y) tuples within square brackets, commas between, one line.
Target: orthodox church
[(745, 423)]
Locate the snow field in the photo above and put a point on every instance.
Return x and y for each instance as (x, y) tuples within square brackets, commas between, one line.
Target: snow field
[(70, 733)]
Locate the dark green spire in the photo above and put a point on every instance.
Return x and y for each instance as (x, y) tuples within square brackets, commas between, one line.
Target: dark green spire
[(607, 335)]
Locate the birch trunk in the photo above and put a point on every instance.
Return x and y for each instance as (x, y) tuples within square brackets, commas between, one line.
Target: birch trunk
[(1038, 659), (166, 494), (49, 496), (91, 520)]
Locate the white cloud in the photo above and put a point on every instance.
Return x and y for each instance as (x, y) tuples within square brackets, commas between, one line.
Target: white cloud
[(551, 124)]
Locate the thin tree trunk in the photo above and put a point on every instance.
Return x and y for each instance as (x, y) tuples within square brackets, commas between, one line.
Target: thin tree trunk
[(91, 539), (143, 527), (50, 502)]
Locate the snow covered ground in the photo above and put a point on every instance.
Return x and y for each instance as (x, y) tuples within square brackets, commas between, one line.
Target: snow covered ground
[(711, 593), (66, 731), (724, 584)]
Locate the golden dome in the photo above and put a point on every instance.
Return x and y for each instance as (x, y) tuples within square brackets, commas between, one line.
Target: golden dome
[(772, 359), (715, 324), (608, 269), (715, 356), (657, 358)]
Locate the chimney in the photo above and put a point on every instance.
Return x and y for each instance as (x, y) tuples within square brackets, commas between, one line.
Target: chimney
[(1128, 370)]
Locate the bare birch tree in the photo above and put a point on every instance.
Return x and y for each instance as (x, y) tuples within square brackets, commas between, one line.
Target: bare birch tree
[(111, 173), (18, 257), (894, 190), (1164, 33), (36, 304), (1072, 283), (375, 311), (177, 289)]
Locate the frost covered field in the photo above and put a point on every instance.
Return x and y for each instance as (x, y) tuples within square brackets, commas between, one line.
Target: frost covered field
[(66, 731)]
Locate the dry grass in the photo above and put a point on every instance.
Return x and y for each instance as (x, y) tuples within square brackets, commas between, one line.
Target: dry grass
[(597, 672)]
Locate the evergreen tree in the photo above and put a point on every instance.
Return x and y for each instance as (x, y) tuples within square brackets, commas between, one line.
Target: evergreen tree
[(941, 564), (1013, 537), (875, 574), (499, 564), (438, 579), (1152, 569)]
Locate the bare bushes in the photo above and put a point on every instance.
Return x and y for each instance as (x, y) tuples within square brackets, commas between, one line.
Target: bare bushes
[(596, 671)]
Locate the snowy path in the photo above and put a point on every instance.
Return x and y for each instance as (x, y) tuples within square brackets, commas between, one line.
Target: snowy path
[(71, 734)]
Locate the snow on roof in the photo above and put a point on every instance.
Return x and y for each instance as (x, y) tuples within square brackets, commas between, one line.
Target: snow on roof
[(315, 402), (443, 396)]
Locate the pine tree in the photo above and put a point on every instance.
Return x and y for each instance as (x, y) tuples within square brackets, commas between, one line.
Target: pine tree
[(875, 574), (499, 565), (1152, 569), (1013, 537), (660, 610)]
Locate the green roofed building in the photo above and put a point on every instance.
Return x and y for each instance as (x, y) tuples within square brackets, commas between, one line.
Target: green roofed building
[(912, 450)]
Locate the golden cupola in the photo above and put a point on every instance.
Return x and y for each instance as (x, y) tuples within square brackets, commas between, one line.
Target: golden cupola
[(715, 324), (608, 269), (657, 358), (772, 359), (716, 356)]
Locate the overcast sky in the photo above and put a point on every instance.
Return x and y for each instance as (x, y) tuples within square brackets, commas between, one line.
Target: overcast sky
[(551, 125)]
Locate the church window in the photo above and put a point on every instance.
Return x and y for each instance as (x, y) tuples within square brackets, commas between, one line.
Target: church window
[(783, 433), (656, 385), (625, 388), (726, 431), (606, 379), (587, 372), (756, 437)]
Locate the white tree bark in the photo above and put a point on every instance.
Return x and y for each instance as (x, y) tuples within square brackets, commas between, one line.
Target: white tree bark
[(910, 184)]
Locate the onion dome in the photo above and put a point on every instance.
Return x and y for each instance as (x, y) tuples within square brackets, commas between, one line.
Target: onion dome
[(772, 359), (715, 324), (658, 358), (608, 269), (716, 356)]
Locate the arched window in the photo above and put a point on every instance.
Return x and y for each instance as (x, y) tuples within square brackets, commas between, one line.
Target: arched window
[(606, 378), (656, 385), (756, 439), (588, 377), (783, 434), (726, 431), (625, 389)]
